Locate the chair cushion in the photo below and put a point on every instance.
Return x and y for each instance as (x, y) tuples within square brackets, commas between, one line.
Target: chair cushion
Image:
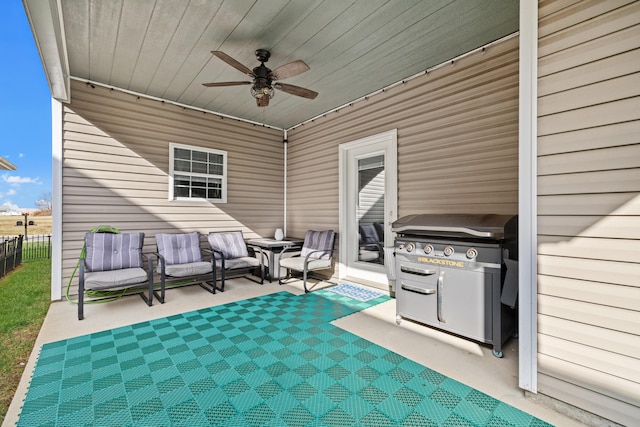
[(297, 263), (231, 244), (365, 255), (109, 251), (244, 262), (114, 279), (368, 234), (318, 241), (179, 248), (188, 269)]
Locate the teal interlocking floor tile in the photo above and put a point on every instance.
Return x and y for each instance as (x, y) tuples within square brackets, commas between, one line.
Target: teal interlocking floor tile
[(275, 360)]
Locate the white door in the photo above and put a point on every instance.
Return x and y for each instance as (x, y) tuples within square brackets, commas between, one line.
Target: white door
[(368, 206)]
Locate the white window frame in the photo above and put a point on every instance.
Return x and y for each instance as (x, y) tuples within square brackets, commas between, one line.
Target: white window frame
[(172, 173)]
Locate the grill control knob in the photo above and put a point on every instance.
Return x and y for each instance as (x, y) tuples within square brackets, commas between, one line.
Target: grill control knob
[(472, 253), (448, 251), (410, 247), (428, 249)]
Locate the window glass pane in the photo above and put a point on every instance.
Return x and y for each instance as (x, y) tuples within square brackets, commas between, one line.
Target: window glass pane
[(181, 191), (214, 188), (181, 165), (215, 158), (197, 167), (199, 156), (215, 169), (214, 194), (197, 181), (182, 180), (199, 192), (181, 153)]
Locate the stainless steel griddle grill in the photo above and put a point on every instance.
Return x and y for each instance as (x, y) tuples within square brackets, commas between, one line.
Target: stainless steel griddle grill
[(458, 273)]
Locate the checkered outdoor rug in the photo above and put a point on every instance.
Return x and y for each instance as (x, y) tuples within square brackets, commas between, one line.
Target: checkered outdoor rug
[(275, 360)]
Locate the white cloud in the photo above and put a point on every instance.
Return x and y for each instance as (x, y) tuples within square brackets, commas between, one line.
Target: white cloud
[(10, 206), (11, 192), (21, 155), (17, 180)]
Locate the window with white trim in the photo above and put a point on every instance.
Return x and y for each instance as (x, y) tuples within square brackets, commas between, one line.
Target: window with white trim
[(197, 173)]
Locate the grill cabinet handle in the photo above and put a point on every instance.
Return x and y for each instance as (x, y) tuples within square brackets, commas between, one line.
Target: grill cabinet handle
[(418, 290), (416, 270), (439, 299)]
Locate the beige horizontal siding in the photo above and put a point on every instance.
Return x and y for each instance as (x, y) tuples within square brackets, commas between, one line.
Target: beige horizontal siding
[(608, 294), (457, 142), (580, 334), (589, 205), (620, 250), (582, 397), (116, 163), (609, 387)]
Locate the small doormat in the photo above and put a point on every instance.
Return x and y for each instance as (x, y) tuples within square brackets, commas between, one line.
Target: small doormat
[(356, 292)]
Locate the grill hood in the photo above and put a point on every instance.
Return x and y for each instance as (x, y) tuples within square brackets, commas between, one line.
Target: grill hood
[(487, 226)]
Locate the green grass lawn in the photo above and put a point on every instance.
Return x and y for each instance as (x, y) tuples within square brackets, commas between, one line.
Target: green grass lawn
[(25, 295)]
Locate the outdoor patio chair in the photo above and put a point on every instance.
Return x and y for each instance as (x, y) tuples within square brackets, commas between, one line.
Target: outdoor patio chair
[(180, 262), (370, 246), (231, 253), (114, 262), (316, 254)]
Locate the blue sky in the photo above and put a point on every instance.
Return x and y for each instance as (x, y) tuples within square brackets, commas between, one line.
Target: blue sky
[(25, 113)]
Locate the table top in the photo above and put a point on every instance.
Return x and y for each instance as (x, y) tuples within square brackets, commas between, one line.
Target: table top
[(272, 243)]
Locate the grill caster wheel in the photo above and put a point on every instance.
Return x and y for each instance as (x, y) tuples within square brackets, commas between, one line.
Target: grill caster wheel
[(497, 354), (398, 319)]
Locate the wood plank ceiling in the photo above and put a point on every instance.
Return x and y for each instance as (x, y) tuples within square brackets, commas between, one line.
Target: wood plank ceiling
[(161, 48)]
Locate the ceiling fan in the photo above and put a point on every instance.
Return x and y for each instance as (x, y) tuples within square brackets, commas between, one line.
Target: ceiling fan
[(266, 80)]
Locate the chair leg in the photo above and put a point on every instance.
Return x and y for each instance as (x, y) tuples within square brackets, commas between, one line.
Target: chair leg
[(150, 302), (162, 282), (215, 277), (81, 299), (304, 281), (261, 273)]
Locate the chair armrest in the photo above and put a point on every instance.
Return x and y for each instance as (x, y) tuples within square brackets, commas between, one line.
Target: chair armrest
[(213, 252), (292, 249), (306, 258), (263, 255), (207, 251), (159, 257), (149, 260)]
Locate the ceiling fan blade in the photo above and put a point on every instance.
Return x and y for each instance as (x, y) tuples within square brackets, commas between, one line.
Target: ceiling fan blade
[(296, 90), (262, 101), (289, 70), (235, 64), (225, 84)]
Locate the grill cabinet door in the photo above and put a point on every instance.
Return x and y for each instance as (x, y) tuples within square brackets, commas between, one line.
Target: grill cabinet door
[(462, 303)]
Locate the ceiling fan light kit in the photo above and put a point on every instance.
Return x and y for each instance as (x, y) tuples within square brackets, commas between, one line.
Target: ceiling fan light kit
[(264, 79)]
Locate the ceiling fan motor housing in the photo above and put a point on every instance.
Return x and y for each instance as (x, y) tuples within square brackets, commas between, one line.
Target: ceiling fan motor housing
[(263, 55)]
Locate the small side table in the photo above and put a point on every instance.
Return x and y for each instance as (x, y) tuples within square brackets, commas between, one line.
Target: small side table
[(273, 248)]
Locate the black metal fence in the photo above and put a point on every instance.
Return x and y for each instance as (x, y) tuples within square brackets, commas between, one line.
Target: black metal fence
[(36, 247), (14, 249), (10, 254)]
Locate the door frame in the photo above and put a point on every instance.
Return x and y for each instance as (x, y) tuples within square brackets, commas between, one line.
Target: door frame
[(386, 142)]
